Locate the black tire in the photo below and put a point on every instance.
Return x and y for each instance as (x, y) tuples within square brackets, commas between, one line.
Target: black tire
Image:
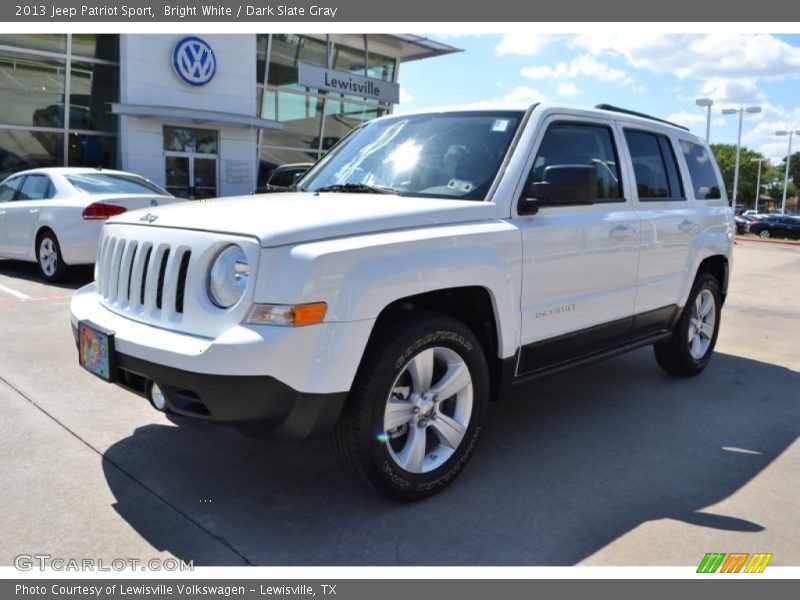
[(674, 355), (360, 441), (49, 258)]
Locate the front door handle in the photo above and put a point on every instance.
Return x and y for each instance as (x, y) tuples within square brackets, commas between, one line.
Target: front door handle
[(33, 211), (622, 232), (2, 212), (687, 226)]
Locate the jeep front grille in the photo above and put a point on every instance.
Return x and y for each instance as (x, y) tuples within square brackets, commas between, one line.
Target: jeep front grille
[(143, 276)]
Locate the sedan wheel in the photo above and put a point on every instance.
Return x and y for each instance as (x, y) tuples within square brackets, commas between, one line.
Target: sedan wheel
[(48, 255), (764, 233)]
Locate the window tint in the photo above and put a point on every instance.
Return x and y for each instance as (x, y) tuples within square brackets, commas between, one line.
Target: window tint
[(701, 171), (36, 187), (9, 188), (581, 144), (654, 166)]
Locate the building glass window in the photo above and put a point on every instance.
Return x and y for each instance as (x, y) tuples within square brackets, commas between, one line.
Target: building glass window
[(48, 42), (287, 52), (341, 116), (21, 149), (31, 90), (190, 139), (300, 114), (93, 87), (98, 46), (92, 151), (36, 129)]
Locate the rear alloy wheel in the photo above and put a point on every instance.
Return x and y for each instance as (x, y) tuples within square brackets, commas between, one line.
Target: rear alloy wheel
[(48, 255), (764, 233), (694, 336), (416, 408)]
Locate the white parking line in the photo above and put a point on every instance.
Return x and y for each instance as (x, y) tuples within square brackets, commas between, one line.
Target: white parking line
[(14, 293)]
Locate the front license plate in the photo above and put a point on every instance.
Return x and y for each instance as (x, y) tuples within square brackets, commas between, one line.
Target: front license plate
[(96, 350)]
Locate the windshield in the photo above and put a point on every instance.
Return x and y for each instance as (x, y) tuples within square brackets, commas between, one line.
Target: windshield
[(450, 155), (113, 183)]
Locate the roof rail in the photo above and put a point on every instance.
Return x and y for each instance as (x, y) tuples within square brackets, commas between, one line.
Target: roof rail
[(625, 111)]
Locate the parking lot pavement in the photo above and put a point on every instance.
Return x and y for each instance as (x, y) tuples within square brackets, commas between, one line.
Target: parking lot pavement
[(614, 464)]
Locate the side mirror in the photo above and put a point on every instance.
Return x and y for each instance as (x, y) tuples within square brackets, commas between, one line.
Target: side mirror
[(562, 185)]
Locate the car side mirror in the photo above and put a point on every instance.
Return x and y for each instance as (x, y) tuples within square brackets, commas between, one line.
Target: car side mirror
[(561, 185)]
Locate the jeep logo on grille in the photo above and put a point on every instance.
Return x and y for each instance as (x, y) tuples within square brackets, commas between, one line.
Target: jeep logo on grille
[(148, 218)]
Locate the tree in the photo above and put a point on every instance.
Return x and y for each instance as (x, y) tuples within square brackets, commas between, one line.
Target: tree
[(794, 171), (748, 171)]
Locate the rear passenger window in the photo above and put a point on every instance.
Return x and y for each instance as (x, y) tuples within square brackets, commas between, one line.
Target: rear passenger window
[(654, 166), (36, 187), (701, 171), (582, 144)]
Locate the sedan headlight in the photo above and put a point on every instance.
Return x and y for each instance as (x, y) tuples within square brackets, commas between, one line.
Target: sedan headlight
[(227, 279)]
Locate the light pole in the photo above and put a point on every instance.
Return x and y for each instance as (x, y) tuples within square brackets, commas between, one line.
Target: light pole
[(732, 111), (788, 160), (708, 103), (758, 179)]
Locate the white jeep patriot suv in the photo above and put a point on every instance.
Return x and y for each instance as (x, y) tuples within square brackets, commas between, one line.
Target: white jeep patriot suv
[(426, 265)]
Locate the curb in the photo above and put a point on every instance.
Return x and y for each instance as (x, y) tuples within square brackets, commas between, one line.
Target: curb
[(767, 241)]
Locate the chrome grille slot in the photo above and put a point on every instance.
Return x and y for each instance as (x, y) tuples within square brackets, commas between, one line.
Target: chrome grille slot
[(181, 287), (126, 273), (146, 277), (140, 274), (162, 270), (102, 271), (114, 270), (106, 277)]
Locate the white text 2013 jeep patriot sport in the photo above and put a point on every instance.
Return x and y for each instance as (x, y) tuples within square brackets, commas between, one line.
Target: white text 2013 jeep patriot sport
[(425, 265)]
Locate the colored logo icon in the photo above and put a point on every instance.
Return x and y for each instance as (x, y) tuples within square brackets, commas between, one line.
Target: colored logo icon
[(194, 61), (735, 562)]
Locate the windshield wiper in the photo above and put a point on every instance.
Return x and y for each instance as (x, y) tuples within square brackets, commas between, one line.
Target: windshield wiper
[(357, 188)]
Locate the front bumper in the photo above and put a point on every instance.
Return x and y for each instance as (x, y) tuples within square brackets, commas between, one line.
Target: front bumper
[(258, 405)]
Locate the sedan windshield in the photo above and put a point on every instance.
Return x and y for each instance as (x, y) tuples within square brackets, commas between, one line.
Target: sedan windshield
[(113, 183), (450, 155)]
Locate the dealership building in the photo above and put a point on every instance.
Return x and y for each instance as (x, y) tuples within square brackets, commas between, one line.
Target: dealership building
[(203, 116)]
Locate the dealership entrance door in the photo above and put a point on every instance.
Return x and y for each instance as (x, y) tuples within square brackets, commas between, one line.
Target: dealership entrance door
[(190, 162)]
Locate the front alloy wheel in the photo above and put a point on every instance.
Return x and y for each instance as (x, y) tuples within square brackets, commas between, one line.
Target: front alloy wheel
[(416, 407)]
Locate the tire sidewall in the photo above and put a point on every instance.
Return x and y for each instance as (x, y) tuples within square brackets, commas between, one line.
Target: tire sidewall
[(704, 282), (384, 469), (49, 235)]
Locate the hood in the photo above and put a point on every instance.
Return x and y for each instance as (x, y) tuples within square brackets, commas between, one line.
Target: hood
[(282, 219)]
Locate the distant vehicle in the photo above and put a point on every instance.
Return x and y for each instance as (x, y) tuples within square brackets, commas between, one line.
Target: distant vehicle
[(751, 213), (777, 226), (282, 178), (742, 224), (53, 216)]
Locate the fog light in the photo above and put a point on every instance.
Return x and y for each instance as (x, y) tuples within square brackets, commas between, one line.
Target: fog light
[(157, 397)]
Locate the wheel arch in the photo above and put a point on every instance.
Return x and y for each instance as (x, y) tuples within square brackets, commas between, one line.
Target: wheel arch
[(476, 307)]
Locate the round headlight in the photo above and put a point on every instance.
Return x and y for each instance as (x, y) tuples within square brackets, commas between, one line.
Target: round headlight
[(227, 279)]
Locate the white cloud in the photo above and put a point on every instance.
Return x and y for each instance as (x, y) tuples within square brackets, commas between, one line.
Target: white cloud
[(523, 44), (699, 56), (524, 94), (580, 66), (687, 118), (726, 90), (567, 89), (405, 97)]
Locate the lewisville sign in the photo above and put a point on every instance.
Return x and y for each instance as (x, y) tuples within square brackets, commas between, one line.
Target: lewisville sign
[(343, 82)]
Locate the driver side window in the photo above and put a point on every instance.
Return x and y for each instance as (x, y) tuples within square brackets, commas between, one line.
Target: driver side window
[(568, 143)]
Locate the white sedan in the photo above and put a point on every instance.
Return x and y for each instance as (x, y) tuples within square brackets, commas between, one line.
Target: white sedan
[(53, 216)]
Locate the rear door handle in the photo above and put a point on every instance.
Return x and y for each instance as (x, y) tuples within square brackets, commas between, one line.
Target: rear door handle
[(621, 232), (687, 226), (33, 211)]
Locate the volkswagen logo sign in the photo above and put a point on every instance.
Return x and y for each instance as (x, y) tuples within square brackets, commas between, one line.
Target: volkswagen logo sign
[(194, 61)]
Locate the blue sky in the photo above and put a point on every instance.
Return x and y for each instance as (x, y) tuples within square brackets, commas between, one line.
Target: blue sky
[(658, 74)]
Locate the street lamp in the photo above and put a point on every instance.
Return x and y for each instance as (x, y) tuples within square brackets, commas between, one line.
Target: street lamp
[(758, 179), (708, 103), (788, 160), (732, 111)]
